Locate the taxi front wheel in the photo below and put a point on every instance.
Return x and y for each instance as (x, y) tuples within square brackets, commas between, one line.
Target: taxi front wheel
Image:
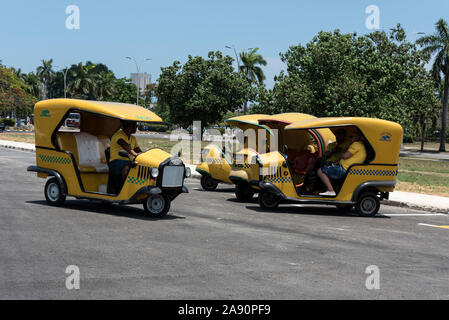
[(208, 183), (368, 204), (268, 200), (53, 193), (157, 205)]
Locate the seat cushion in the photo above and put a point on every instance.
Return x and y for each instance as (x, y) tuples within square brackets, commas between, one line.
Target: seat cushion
[(91, 153)]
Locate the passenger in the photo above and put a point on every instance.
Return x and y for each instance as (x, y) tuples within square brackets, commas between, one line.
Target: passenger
[(123, 140), (355, 154)]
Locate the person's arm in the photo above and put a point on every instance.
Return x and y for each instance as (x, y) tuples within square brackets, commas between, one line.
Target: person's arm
[(352, 150), (126, 147), (138, 150), (346, 155)]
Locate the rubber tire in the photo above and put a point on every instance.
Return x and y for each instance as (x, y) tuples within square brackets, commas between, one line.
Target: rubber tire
[(243, 192), (344, 207), (163, 212), (208, 183), (268, 201), (57, 199), (368, 204)]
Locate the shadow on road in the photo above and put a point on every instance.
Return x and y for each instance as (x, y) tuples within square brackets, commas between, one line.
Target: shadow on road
[(315, 210), (216, 190), (127, 211)]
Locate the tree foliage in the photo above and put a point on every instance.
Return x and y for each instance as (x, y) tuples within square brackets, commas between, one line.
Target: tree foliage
[(438, 44), (15, 96), (201, 89), (375, 75)]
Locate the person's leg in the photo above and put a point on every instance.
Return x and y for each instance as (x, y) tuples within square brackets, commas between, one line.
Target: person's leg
[(325, 180), (125, 171)]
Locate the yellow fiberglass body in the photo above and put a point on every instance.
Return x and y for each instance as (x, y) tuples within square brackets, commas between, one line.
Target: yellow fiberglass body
[(302, 147), (363, 185), (77, 164), (216, 165)]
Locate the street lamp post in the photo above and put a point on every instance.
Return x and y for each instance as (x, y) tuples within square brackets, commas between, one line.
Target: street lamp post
[(236, 57), (64, 72), (138, 71)]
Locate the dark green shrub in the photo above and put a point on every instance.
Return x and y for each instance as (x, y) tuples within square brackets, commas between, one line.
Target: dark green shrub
[(158, 127), (408, 138), (8, 122)]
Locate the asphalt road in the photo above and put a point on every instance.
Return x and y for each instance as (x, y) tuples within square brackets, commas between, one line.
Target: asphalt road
[(211, 247)]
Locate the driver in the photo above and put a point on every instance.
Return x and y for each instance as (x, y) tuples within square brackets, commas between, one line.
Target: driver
[(355, 154), (123, 140)]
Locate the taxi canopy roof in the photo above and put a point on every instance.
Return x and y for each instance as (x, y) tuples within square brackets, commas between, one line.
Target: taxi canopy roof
[(248, 121), (97, 117), (384, 136), (282, 120), (287, 118), (121, 111)]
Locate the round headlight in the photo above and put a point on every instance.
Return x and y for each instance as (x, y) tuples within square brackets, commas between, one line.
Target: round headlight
[(154, 172), (188, 172)]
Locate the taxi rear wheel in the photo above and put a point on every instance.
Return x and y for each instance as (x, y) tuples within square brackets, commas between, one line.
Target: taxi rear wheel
[(368, 204), (208, 183), (157, 205), (243, 192), (268, 200), (53, 193)]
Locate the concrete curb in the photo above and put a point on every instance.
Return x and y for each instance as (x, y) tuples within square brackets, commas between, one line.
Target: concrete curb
[(195, 175), (17, 145)]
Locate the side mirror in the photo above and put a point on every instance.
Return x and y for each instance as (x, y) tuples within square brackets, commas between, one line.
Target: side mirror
[(179, 154), (285, 149), (123, 153)]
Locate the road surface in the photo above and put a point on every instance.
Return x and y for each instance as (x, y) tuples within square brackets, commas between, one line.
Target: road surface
[(211, 247)]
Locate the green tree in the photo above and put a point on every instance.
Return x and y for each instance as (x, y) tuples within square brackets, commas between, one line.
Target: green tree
[(45, 73), (375, 75), (251, 62), (15, 97), (438, 45), (125, 91), (201, 89), (105, 86), (33, 83), (83, 83)]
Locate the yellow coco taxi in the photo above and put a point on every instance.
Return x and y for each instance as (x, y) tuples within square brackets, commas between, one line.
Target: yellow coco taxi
[(301, 148), (77, 161), (363, 185), (216, 165)]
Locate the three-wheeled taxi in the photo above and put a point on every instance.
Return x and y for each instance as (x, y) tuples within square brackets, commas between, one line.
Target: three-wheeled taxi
[(300, 148), (363, 185), (77, 164), (216, 165)]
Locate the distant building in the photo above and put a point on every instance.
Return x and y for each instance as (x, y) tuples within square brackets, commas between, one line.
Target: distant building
[(141, 80)]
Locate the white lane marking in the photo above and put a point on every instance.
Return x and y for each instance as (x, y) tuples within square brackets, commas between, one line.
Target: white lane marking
[(432, 225), (427, 225)]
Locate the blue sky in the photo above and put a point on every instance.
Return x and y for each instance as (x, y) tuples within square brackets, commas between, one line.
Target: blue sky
[(171, 30)]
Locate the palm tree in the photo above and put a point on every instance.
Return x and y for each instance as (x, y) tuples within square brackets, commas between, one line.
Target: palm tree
[(438, 44), (251, 62), (105, 87), (32, 80), (83, 83), (45, 73)]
